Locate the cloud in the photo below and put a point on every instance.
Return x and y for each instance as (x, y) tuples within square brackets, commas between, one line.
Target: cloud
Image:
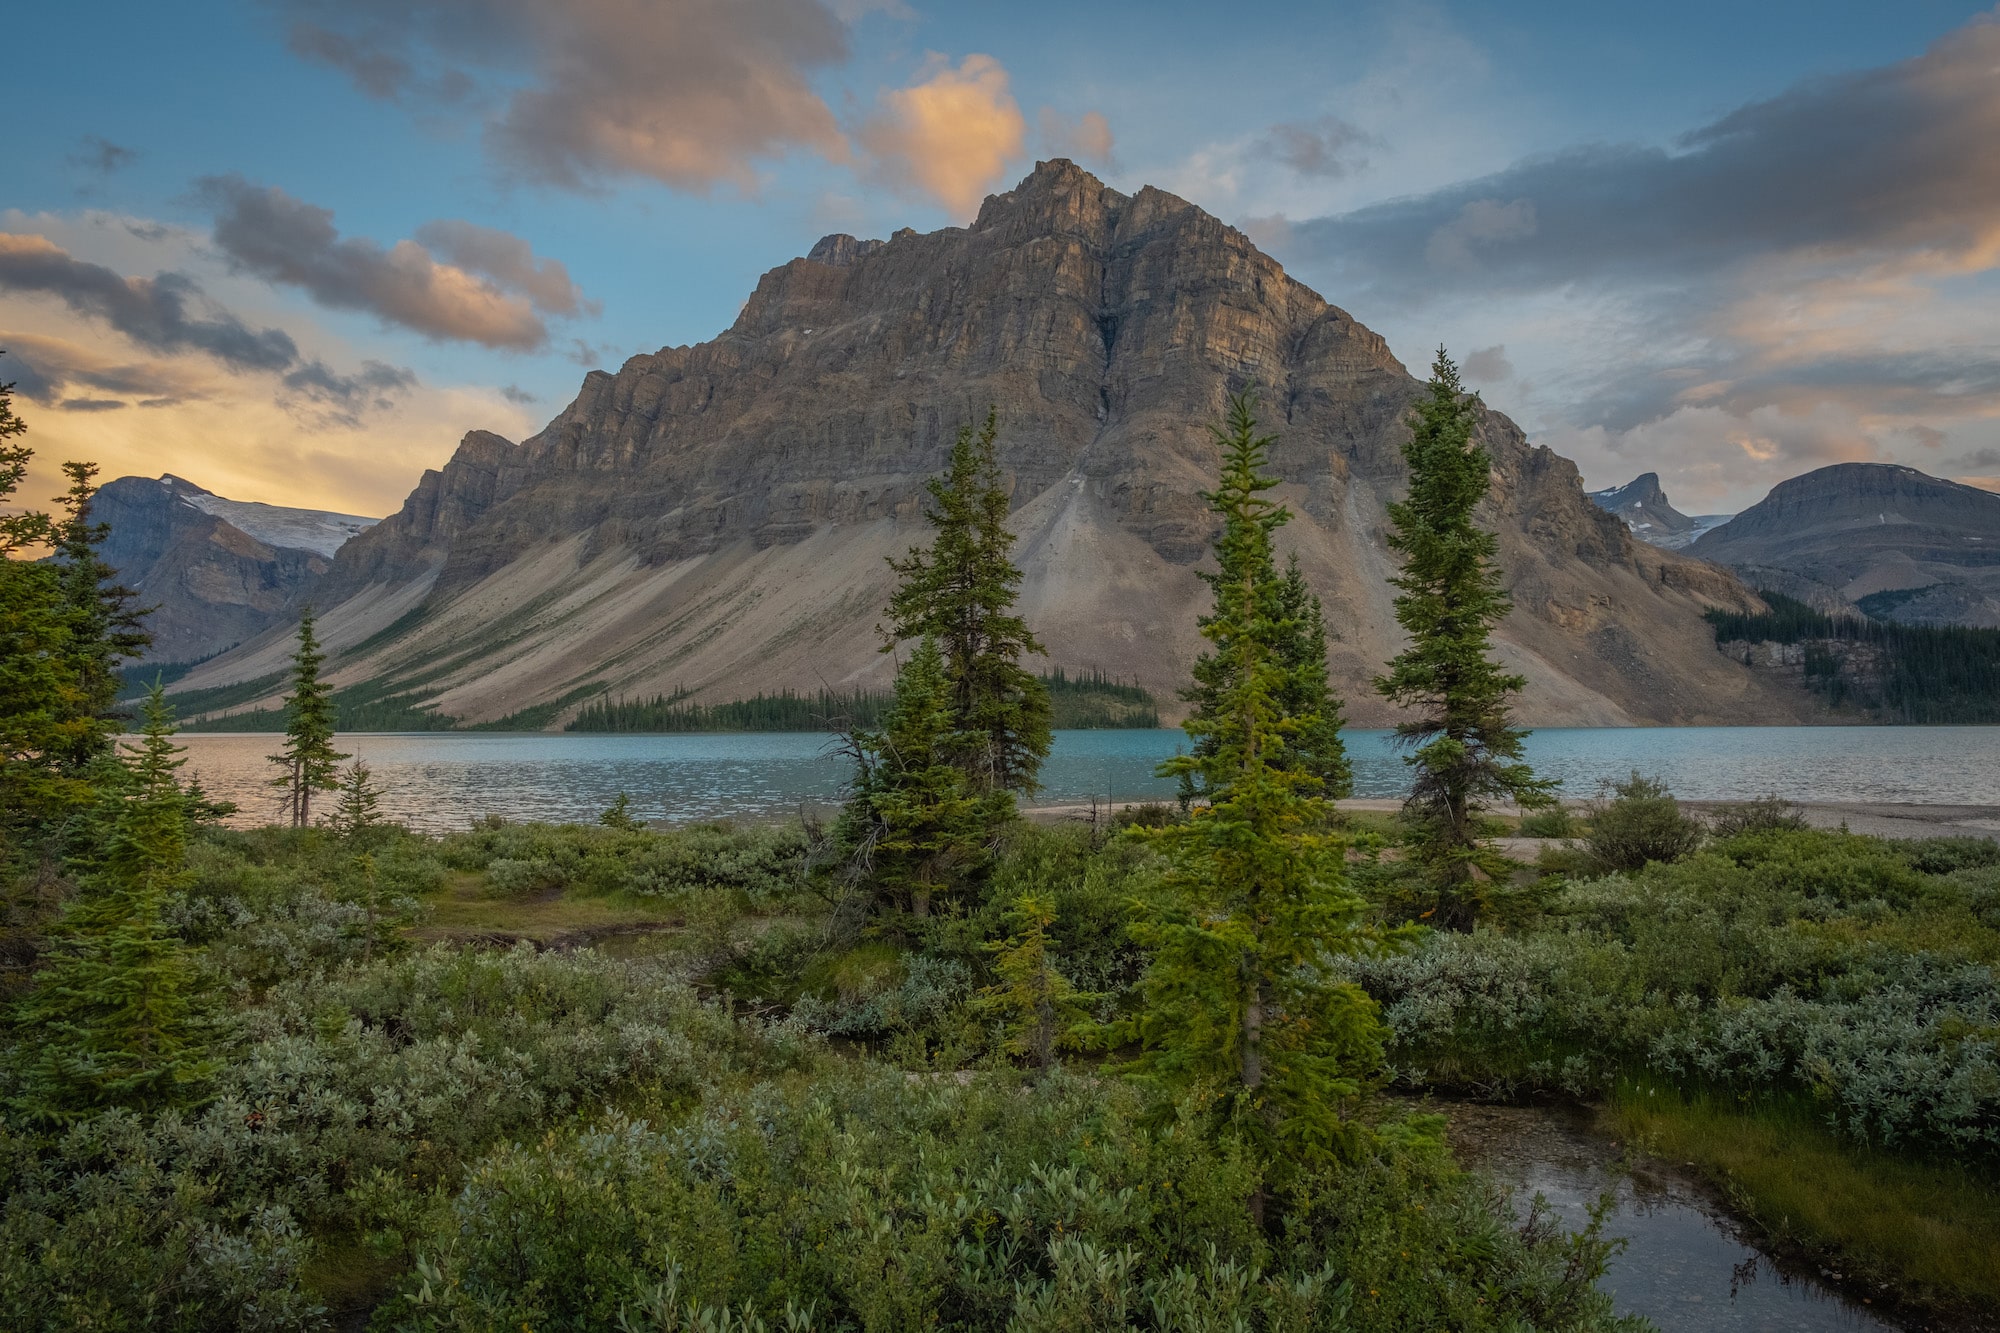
[(1805, 279), (1326, 148), (950, 136), (1482, 223), (102, 155), (509, 262), (92, 404), (43, 368), (170, 315), (514, 393), (1086, 139), (687, 92), (154, 313), (267, 232), (1489, 365), (1902, 159), (375, 385)]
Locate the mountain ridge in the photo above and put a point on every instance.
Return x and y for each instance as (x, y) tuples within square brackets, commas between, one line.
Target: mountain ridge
[(714, 516), (1882, 538), (1644, 507), (217, 571)]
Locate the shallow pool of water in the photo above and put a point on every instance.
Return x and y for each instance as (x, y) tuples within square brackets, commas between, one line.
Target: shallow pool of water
[(1684, 1266)]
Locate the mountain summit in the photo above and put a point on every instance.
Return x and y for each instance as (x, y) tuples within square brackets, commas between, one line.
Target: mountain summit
[(1644, 507), (216, 571), (1881, 538), (715, 517)]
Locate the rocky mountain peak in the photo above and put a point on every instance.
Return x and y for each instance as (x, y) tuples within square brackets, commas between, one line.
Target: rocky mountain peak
[(217, 571), (1643, 505), (839, 250), (715, 517)]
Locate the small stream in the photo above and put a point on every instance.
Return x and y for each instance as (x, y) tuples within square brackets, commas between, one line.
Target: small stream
[(1684, 1266)]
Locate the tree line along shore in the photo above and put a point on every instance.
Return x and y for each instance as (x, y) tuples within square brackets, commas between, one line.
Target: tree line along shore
[(925, 1063)]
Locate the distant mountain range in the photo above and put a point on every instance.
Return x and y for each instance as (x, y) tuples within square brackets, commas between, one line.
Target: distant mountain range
[(714, 518), (218, 571), (1878, 539), (1643, 506)]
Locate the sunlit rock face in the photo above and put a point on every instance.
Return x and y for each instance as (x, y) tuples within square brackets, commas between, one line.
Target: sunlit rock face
[(715, 517), (1879, 538), (215, 571)]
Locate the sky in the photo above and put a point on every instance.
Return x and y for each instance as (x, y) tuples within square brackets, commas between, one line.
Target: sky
[(292, 250)]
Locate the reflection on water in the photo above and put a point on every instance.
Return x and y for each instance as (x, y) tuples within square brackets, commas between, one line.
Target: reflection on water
[(1681, 1268), (443, 780)]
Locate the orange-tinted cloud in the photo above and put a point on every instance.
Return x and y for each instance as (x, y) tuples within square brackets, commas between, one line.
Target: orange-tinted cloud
[(281, 239), (950, 136), (1087, 138)]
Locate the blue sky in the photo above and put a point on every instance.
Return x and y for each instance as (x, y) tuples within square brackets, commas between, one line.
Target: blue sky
[(347, 232)]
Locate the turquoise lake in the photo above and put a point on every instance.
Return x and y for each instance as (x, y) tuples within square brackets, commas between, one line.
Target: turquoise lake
[(444, 780)]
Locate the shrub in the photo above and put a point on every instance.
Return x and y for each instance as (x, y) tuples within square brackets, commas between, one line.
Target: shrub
[(1554, 822), (1763, 815), (878, 1200), (1643, 823)]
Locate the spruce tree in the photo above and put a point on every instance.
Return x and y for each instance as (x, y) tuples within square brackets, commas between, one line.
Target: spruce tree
[(355, 818), (119, 1015), (1238, 1000), (359, 808), (960, 590), (1038, 1007), (1307, 696), (1463, 748), (308, 762), (914, 828), (619, 816), (45, 715), (105, 625), (1294, 628)]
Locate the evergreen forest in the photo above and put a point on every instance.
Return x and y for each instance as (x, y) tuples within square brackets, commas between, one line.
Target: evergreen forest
[(1935, 675)]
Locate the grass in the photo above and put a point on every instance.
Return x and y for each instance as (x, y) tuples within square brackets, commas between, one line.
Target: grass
[(1932, 1231), (469, 907)]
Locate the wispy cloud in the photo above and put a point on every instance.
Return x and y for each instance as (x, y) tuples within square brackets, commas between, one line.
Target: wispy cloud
[(168, 314), (100, 155), (491, 296), (687, 92), (1798, 281)]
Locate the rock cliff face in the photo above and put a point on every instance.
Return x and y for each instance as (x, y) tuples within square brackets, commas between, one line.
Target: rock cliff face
[(1644, 507), (716, 516), (218, 571), (1877, 537)]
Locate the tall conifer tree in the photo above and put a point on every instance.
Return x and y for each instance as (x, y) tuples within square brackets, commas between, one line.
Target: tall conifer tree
[(960, 590), (119, 1015), (308, 762), (914, 826), (1307, 696), (106, 626), (1294, 628), (43, 711), (1464, 749), (1257, 904)]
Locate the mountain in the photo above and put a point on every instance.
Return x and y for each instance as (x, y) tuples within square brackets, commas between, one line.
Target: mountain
[(1881, 538), (715, 517), (219, 571), (1643, 506)]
